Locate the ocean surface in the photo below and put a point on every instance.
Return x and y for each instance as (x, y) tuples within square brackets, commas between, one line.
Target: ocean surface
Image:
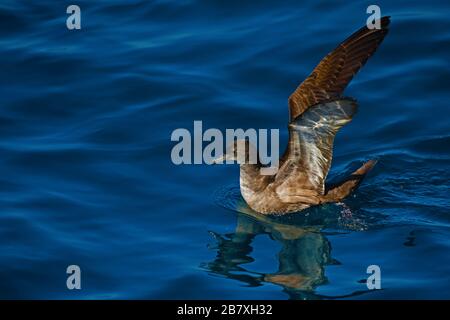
[(87, 179)]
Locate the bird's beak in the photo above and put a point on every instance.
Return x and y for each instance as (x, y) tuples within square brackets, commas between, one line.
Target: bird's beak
[(218, 160), (221, 159)]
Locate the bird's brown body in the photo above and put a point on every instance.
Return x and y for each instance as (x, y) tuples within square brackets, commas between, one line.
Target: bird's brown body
[(262, 192), (317, 111)]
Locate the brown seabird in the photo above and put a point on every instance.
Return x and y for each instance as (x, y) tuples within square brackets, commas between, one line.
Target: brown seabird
[(317, 111)]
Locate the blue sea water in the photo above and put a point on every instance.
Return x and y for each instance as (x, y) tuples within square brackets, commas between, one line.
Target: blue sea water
[(87, 179)]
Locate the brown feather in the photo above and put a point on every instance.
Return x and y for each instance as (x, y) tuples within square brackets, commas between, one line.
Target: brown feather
[(317, 112), (311, 144), (332, 75)]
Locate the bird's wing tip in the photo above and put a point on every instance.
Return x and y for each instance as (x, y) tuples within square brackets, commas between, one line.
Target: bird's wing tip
[(385, 21)]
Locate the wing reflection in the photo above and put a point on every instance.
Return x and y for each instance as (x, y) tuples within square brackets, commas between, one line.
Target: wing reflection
[(304, 253)]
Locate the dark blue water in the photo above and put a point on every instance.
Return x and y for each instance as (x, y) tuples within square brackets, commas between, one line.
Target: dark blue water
[(86, 175)]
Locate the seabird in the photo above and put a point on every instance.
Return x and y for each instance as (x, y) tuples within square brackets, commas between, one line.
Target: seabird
[(317, 110)]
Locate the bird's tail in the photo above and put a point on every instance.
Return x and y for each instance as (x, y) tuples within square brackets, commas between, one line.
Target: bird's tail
[(339, 191)]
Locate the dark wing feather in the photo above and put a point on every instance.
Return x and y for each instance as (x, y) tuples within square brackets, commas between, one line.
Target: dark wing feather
[(332, 75)]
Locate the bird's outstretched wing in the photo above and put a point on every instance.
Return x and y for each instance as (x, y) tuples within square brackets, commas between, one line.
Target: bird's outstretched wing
[(317, 111), (311, 145), (332, 75)]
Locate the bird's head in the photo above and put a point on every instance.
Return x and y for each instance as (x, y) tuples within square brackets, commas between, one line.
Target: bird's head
[(240, 150)]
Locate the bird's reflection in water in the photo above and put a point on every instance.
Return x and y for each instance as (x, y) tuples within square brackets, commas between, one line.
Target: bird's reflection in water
[(305, 251)]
